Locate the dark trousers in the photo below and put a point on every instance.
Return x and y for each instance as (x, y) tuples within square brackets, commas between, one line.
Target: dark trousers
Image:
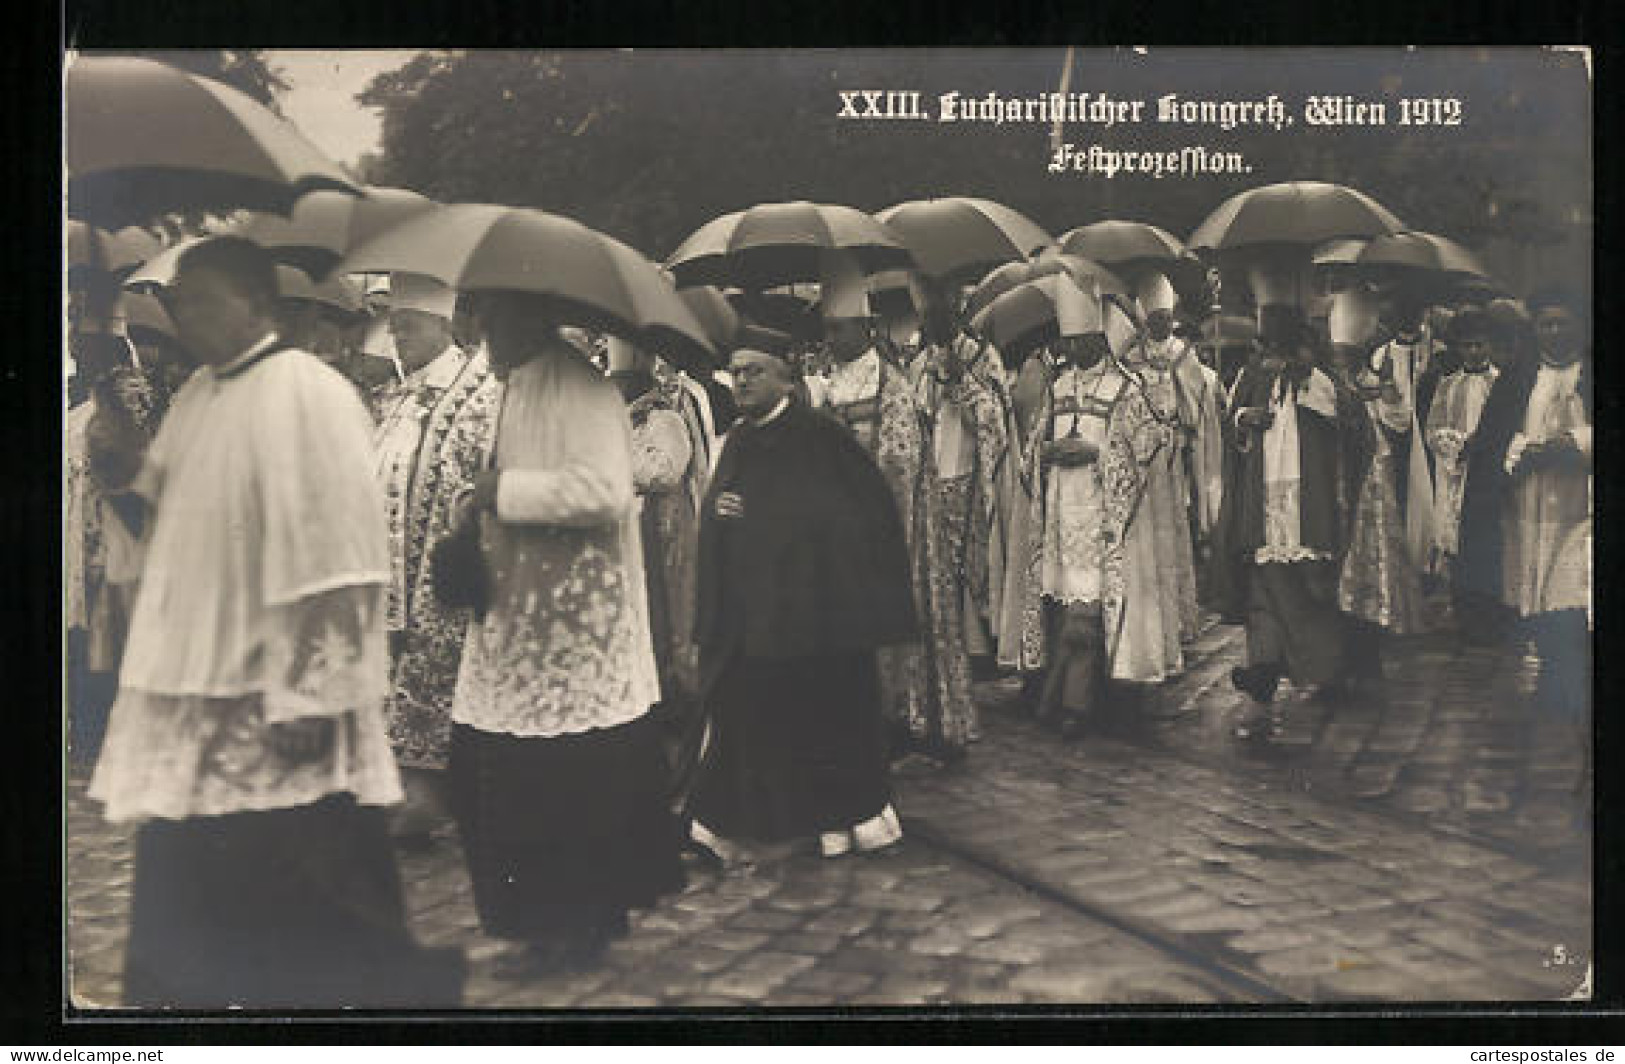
[(1481, 619), (1563, 641), (291, 908), (90, 699), (1294, 628), (1075, 678), (799, 748), (564, 835)]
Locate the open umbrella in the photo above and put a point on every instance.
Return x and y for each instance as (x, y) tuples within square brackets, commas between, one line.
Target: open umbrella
[(1297, 213), (778, 243), (591, 279), (1025, 314), (1132, 249), (145, 319), (1344, 251), (1013, 274), (90, 247), (159, 271), (715, 314), (143, 139), (1412, 250), (1114, 243), (961, 237), (325, 225), (335, 292)]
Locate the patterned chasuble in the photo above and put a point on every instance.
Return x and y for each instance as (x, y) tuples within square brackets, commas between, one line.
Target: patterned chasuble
[(1168, 491), (1452, 419), (430, 445), (969, 416), (1131, 440), (926, 685), (668, 472)]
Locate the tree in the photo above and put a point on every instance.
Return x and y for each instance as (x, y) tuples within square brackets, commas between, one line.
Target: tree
[(649, 145)]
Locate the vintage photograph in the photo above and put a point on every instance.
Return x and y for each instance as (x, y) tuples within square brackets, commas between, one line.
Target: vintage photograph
[(690, 530)]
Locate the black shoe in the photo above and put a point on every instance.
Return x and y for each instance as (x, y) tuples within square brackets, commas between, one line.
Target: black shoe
[(1255, 682)]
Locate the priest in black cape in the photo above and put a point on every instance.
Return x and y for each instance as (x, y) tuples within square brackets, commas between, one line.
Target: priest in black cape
[(803, 575)]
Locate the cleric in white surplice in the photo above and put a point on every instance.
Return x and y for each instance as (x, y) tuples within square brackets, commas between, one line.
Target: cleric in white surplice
[(248, 734)]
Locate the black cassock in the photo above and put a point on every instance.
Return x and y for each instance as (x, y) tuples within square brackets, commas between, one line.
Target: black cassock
[(795, 596), (1291, 611)]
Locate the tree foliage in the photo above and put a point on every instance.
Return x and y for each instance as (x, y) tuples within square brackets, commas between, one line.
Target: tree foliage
[(650, 145)]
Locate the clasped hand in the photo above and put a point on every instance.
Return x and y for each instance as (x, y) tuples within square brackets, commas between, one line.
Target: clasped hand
[(1071, 452)]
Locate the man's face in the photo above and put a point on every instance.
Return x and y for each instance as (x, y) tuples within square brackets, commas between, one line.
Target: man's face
[(1559, 334), (215, 320), (759, 381), (1404, 315), (419, 336), (1474, 351), (1160, 324)]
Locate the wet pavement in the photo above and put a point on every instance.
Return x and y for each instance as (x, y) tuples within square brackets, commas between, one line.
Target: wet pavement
[(1428, 843)]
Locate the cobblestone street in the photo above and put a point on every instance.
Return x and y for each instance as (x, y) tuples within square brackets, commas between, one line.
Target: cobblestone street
[(1429, 844)]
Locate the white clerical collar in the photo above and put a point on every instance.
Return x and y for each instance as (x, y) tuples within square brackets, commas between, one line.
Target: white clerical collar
[(772, 415), (241, 362)]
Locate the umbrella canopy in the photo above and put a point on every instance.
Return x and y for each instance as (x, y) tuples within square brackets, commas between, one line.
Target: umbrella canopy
[(335, 292), (1298, 213), (1115, 243), (715, 314), (146, 319), (159, 271), (90, 247), (961, 237), (1013, 274), (1413, 250), (1025, 314), (143, 139), (325, 225), (591, 279), (1342, 252), (778, 243)]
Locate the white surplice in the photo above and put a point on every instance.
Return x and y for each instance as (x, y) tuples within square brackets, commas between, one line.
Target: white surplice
[(260, 600)]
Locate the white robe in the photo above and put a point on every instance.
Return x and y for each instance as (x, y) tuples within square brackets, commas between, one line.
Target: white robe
[(260, 600), (565, 647)]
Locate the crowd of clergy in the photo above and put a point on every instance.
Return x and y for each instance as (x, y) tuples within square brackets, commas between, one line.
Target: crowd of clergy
[(339, 580)]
